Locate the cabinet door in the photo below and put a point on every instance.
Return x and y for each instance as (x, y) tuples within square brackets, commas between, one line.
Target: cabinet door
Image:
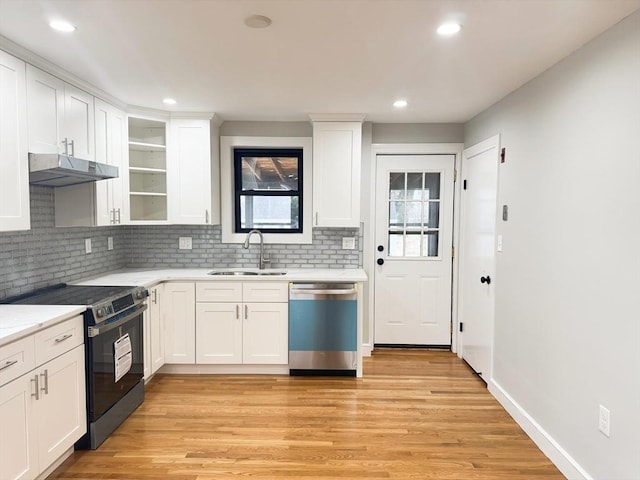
[(156, 329), (110, 148), (61, 410), (78, 122), (14, 181), (189, 172), (179, 316), (218, 333), (45, 105), (18, 440), (336, 173), (265, 338)]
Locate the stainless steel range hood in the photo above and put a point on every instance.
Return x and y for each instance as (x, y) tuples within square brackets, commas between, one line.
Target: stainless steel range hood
[(56, 170)]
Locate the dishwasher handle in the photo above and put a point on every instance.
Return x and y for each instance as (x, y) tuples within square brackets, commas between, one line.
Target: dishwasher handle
[(308, 291), (341, 289)]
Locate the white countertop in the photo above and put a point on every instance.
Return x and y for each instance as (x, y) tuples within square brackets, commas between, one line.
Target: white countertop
[(150, 277), (17, 321)]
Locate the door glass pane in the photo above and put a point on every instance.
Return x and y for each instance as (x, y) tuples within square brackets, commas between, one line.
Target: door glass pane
[(414, 186), (396, 244), (413, 246), (396, 215), (432, 186), (414, 215), (396, 186), (430, 244), (433, 220)]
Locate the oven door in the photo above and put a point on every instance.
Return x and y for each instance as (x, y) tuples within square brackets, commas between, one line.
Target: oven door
[(107, 345)]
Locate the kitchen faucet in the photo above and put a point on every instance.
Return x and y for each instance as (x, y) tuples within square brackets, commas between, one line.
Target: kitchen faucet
[(263, 258)]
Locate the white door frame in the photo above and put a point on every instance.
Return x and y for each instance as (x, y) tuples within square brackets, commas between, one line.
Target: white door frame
[(369, 244)]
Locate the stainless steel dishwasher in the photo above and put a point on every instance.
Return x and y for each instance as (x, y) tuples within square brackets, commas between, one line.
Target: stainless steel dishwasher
[(323, 329)]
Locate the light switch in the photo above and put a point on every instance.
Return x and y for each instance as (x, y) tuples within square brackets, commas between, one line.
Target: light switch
[(184, 243), (87, 245), (109, 243)]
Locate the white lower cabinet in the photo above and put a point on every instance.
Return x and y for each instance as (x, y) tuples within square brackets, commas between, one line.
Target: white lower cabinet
[(242, 323), (42, 412), (178, 307), (153, 333)]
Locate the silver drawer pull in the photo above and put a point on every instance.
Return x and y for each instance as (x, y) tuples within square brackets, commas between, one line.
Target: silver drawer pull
[(8, 364), (37, 392), (63, 338), (45, 389)]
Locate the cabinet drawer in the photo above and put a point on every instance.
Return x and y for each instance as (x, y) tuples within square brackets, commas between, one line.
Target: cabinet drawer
[(58, 339), (265, 292), (219, 292), (17, 358)]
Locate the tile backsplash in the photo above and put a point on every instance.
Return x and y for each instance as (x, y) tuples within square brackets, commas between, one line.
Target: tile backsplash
[(46, 255)]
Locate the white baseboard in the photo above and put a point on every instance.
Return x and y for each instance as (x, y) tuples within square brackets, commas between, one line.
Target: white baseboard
[(552, 449)]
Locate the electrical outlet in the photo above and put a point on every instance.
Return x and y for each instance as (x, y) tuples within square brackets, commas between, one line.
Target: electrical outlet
[(604, 420), (185, 243), (87, 245), (348, 243), (109, 243)]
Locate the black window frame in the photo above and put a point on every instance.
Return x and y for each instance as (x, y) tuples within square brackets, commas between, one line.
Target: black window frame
[(238, 154)]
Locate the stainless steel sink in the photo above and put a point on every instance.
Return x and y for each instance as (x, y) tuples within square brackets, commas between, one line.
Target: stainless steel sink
[(234, 273)]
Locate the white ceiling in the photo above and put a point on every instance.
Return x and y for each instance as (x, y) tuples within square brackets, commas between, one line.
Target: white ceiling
[(318, 56)]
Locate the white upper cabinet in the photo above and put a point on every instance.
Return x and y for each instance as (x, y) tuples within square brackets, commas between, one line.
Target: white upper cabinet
[(189, 171), (14, 181), (60, 116), (336, 173), (111, 145)]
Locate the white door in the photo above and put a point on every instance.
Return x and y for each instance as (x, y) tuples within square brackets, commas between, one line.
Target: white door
[(414, 232), (477, 254)]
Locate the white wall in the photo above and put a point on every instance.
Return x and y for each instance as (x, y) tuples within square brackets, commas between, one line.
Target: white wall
[(567, 327)]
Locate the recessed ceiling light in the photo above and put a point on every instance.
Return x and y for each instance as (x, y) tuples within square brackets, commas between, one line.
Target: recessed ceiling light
[(169, 101), (449, 28), (257, 21), (62, 26), (400, 103)]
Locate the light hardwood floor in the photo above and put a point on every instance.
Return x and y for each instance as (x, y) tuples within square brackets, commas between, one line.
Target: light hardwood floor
[(414, 415)]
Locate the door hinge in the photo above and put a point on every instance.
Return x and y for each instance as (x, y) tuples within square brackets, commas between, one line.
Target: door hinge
[(503, 155), (453, 252), (455, 175), (461, 326), (464, 185)]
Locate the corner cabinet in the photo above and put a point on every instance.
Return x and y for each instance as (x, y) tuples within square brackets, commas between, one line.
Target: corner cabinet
[(242, 323), (147, 171), (14, 181), (337, 160)]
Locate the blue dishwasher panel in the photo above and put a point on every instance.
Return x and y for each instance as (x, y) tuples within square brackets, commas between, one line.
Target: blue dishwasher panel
[(323, 325)]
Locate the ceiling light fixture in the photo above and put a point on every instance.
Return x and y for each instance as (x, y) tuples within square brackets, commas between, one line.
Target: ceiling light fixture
[(62, 26), (449, 28), (257, 21), (400, 103), (169, 101)]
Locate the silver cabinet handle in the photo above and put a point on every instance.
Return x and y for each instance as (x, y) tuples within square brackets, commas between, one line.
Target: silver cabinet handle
[(73, 150), (37, 394), (316, 218), (206, 216), (8, 364), (118, 220), (237, 312), (63, 338), (65, 142), (112, 216), (154, 297), (45, 389), (246, 312)]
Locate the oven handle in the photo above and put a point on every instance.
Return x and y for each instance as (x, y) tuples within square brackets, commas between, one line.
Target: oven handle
[(96, 330)]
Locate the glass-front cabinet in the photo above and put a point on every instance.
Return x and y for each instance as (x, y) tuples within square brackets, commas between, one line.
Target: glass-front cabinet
[(147, 170)]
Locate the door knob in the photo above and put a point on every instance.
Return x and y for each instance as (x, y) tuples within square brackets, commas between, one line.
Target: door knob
[(380, 261), (486, 280)]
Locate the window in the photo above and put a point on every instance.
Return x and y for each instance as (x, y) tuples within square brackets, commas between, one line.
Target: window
[(228, 147), (268, 189)]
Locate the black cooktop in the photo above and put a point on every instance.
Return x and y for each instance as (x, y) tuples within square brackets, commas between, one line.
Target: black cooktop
[(63, 294)]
